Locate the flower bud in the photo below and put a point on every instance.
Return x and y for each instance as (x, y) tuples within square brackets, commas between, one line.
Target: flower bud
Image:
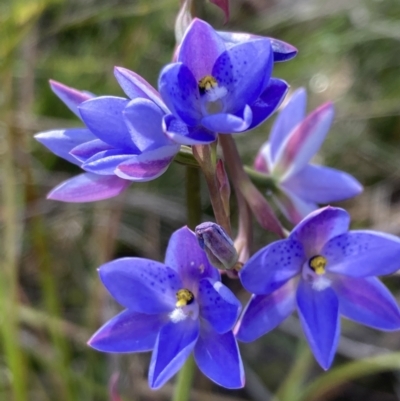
[(217, 245)]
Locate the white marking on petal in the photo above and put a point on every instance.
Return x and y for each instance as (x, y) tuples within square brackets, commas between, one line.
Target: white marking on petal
[(321, 283), (177, 315)]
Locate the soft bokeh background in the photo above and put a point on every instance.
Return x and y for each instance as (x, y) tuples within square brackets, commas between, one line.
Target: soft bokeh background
[(51, 300)]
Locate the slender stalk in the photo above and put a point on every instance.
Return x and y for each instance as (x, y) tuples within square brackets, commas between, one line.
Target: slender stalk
[(242, 183), (193, 208), (206, 158)]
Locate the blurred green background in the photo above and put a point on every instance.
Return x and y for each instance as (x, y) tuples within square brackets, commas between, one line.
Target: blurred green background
[(51, 299)]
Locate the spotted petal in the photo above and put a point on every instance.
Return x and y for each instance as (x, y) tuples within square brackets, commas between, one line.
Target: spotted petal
[(319, 317), (265, 312), (62, 141), (142, 285), (244, 70), (178, 88), (367, 301), (363, 253), (218, 305), (129, 331), (88, 187), (218, 357), (174, 344), (319, 227), (185, 256), (272, 266)]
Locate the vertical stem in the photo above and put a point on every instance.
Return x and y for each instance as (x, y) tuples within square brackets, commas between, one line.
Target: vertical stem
[(193, 207), (242, 183), (207, 161), (193, 197)]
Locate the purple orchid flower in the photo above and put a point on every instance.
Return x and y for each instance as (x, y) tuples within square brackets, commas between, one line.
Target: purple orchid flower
[(123, 141), (218, 85), (325, 271), (294, 140), (173, 309)]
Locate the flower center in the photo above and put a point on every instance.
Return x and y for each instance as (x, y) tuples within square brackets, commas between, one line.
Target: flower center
[(185, 306), (314, 272), (317, 264), (184, 297), (208, 86)]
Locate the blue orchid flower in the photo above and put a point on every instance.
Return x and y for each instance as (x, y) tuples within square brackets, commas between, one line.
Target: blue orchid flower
[(324, 271), (174, 309), (123, 141), (294, 140), (219, 84)]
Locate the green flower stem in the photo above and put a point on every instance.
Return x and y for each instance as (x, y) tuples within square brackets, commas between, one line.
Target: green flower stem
[(193, 209), (184, 381)]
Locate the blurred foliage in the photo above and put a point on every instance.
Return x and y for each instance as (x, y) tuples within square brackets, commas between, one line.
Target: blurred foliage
[(51, 300)]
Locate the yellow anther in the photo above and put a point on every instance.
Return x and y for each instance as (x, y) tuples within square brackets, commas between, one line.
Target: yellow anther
[(318, 263), (184, 297), (206, 83)]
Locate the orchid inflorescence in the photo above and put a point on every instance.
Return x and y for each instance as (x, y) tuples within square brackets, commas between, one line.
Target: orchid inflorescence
[(220, 84)]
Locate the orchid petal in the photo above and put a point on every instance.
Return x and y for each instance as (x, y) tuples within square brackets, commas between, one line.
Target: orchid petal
[(218, 357), (228, 123), (144, 121), (105, 162), (367, 301), (272, 266), (88, 187), (61, 141), (103, 116), (288, 118), (282, 51), (181, 133), (71, 97), (135, 86), (185, 256), (218, 305), (129, 331), (303, 142), (147, 166), (319, 317), (244, 71), (319, 227), (265, 312), (321, 184), (200, 48), (142, 285), (363, 253), (179, 90), (268, 101), (174, 344), (89, 149)]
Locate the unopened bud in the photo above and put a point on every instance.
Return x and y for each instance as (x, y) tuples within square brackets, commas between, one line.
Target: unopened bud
[(217, 245)]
